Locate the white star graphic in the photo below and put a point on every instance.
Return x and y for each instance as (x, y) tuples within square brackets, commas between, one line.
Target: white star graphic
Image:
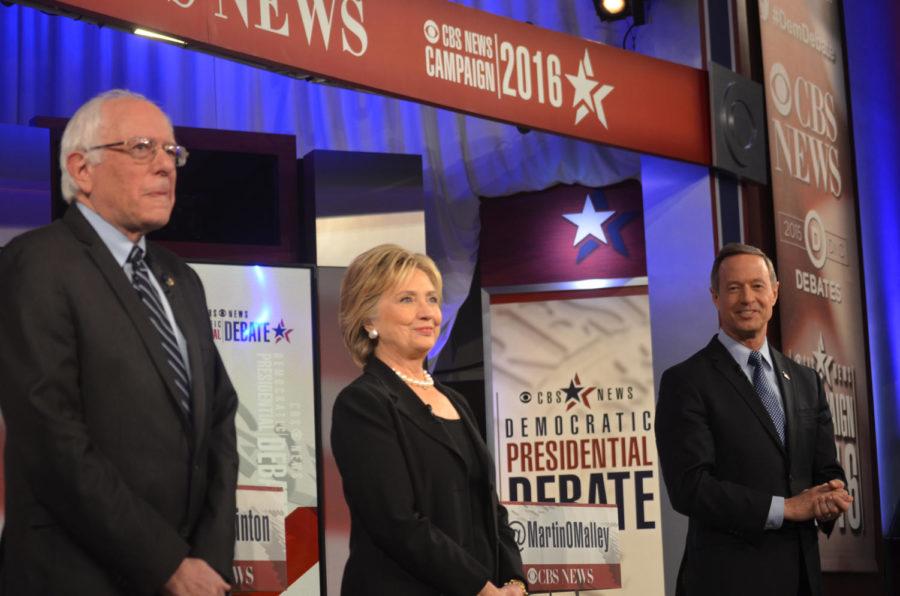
[(599, 95), (589, 222), (583, 85), (585, 97), (824, 362)]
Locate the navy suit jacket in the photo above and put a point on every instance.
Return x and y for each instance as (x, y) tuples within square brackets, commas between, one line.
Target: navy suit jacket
[(108, 485), (722, 462)]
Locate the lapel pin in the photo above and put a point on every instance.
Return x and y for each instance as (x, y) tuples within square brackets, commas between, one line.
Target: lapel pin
[(784, 374), (170, 282)]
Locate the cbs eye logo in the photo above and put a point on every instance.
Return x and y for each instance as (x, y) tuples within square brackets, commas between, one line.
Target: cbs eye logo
[(525, 397), (816, 240), (780, 85), (431, 30)]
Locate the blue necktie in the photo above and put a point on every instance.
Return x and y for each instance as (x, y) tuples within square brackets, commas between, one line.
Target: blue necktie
[(767, 394), (140, 279)]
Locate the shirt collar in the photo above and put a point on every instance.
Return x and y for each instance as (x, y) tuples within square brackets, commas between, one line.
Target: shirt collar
[(117, 243), (740, 352)]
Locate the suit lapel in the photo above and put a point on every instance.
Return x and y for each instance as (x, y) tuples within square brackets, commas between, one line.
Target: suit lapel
[(788, 393), (409, 404), (127, 297), (731, 370), (175, 295)]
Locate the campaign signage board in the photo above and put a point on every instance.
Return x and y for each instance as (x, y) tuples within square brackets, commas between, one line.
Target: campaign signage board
[(564, 237), (260, 553), (262, 324), (821, 300), (567, 546), (573, 403), (448, 55)]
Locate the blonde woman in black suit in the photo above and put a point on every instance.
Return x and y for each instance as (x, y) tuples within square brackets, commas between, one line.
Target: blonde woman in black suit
[(418, 478)]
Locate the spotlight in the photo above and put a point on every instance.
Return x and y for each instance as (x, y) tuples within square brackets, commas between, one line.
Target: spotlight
[(613, 7), (614, 10)]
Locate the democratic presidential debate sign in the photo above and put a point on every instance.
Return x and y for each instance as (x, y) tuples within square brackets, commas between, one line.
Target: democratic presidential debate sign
[(261, 322), (573, 404), (567, 546), (448, 55)]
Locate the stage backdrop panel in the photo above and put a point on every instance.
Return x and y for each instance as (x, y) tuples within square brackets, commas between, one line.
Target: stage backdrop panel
[(569, 374), (573, 399), (263, 326), (813, 190)]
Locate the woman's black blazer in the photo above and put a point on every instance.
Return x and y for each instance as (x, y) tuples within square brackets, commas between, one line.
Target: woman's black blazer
[(407, 488)]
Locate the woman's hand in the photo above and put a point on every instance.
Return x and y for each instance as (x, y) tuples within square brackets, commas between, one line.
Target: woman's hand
[(490, 589)]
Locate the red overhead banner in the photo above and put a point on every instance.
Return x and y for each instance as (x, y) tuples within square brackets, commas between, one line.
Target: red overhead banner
[(452, 56)]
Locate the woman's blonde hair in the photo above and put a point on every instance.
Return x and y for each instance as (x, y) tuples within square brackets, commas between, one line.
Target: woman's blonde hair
[(369, 276)]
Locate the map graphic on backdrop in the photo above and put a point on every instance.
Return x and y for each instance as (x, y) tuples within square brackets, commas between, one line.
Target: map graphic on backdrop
[(572, 382), (262, 320)]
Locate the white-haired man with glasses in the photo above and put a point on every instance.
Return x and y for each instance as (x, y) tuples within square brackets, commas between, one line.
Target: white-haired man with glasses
[(121, 462)]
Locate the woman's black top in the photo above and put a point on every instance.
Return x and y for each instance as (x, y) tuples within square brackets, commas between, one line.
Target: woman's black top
[(481, 544)]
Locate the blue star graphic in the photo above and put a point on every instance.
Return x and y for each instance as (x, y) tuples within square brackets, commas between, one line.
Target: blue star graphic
[(572, 392), (282, 333)]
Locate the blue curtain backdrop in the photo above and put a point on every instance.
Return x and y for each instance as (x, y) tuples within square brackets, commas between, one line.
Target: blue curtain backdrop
[(872, 48), (51, 65)]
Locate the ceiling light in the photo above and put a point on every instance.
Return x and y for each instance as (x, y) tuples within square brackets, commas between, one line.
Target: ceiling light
[(159, 36)]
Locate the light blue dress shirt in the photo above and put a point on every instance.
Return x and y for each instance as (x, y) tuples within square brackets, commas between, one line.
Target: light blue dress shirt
[(120, 247), (741, 355)]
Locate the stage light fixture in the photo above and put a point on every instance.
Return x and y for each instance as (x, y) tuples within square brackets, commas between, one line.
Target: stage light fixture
[(613, 6), (159, 36), (614, 10)]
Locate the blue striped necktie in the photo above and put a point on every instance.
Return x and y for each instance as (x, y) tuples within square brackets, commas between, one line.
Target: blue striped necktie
[(767, 394), (140, 279)]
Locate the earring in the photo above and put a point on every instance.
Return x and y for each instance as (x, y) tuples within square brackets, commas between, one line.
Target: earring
[(373, 334)]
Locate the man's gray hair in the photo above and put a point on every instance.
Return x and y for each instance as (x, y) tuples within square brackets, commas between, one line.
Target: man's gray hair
[(83, 131), (736, 248)]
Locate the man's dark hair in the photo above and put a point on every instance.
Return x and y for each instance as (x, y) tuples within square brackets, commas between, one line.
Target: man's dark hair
[(736, 248)]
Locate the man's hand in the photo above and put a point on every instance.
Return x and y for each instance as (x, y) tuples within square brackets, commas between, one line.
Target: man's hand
[(194, 577), (830, 505), (823, 502)]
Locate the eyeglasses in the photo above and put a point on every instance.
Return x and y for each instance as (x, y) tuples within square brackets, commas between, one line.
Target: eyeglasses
[(143, 149)]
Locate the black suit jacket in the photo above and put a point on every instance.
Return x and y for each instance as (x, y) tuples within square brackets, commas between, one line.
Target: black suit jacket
[(409, 497), (722, 462), (108, 485)]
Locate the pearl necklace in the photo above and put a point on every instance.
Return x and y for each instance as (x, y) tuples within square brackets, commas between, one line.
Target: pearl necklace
[(427, 382)]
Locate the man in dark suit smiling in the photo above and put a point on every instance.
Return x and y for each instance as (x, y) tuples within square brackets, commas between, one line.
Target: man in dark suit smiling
[(120, 459), (746, 445)]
